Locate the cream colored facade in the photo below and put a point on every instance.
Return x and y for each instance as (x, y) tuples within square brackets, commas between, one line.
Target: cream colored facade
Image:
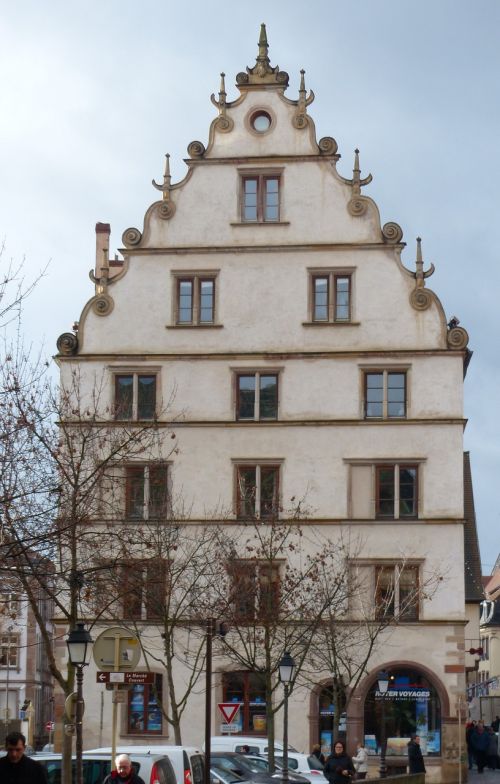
[(264, 320)]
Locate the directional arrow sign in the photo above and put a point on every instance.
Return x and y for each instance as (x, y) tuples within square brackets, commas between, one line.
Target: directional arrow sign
[(229, 710), (125, 677)]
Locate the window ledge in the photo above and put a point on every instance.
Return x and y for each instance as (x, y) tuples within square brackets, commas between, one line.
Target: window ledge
[(259, 223), (194, 326), (331, 323)]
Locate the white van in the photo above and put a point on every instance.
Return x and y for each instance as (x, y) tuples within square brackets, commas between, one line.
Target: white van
[(187, 761), (237, 742)]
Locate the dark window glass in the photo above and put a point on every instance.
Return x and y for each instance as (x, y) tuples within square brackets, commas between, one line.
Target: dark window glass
[(124, 396), (246, 491), (248, 688), (135, 492), (396, 394), (243, 597), (384, 592), (246, 397), (268, 491), (158, 491), (342, 299), (269, 587), (206, 301), (407, 491), (146, 397), (132, 589), (144, 711), (321, 299), (408, 593), (268, 397), (385, 491), (374, 394), (185, 304)]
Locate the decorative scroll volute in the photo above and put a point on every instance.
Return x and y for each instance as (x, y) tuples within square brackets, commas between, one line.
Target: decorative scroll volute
[(166, 209), (300, 118), (420, 298), (224, 124), (357, 205), (67, 344)]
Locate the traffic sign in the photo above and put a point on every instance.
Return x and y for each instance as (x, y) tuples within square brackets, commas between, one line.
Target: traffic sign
[(229, 710), (125, 677), (116, 649)]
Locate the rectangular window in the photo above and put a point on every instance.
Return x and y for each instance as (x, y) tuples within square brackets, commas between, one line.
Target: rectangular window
[(142, 589), (255, 589), (397, 592), (396, 491), (9, 650), (144, 708), (146, 491), (247, 688), (385, 394), (195, 303), (257, 396), (330, 297), (135, 396), (257, 488), (260, 201), (9, 605)]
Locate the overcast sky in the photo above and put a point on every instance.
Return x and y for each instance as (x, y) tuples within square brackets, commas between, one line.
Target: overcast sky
[(94, 94)]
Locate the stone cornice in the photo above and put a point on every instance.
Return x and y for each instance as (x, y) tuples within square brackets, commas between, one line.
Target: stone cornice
[(274, 248)]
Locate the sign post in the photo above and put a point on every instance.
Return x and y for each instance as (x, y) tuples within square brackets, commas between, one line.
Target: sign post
[(115, 652)]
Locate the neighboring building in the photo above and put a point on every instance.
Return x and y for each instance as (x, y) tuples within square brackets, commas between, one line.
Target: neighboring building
[(266, 301), (474, 593), (25, 680), (489, 666)]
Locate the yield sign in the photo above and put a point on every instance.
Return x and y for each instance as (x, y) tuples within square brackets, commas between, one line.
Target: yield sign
[(229, 710)]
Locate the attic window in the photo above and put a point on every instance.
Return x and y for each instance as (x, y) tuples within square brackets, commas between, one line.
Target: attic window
[(260, 121)]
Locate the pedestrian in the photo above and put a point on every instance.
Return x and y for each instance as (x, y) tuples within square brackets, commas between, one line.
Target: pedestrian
[(492, 755), (16, 767), (123, 773), (361, 762), (245, 749), (469, 729), (338, 767), (415, 759), (495, 724), (480, 743), (316, 752)]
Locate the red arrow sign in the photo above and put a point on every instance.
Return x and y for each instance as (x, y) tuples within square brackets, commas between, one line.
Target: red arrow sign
[(229, 710)]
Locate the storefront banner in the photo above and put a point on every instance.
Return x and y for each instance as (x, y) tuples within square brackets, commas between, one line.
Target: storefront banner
[(404, 693)]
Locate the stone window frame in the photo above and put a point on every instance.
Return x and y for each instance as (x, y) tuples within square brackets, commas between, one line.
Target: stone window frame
[(134, 371), (272, 172), (255, 371), (332, 273), (363, 484), (196, 276), (258, 464), (373, 588), (365, 370), (146, 467)]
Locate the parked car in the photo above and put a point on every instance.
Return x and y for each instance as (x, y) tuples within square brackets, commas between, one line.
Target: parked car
[(250, 767), (188, 761), (263, 764), (221, 776), (307, 764), (151, 767), (237, 742)]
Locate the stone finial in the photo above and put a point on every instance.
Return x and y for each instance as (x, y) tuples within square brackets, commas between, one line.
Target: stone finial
[(300, 116), (420, 275), (420, 297), (357, 204), (223, 122), (165, 187), (263, 73)]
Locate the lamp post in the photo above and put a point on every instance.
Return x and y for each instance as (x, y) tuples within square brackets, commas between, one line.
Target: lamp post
[(383, 685), (286, 669), (79, 642)]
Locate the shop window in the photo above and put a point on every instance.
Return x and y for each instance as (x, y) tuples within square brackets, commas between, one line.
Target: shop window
[(411, 705), (327, 718), (247, 689), (144, 715), (135, 396)]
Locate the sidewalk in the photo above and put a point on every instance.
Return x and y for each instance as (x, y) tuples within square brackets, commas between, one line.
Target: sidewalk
[(488, 777)]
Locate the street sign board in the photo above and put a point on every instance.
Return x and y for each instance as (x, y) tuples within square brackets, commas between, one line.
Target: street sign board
[(116, 649), (125, 677), (228, 710), (229, 729)]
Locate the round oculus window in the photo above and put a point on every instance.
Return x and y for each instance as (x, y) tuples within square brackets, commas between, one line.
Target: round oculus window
[(260, 122)]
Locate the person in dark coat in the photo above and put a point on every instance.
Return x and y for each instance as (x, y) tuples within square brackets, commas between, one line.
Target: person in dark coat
[(124, 773), (339, 768), (495, 724), (16, 767), (415, 759), (469, 729), (480, 743)]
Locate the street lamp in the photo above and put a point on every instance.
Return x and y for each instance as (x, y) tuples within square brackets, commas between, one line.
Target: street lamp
[(79, 642), (383, 685), (286, 669)]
